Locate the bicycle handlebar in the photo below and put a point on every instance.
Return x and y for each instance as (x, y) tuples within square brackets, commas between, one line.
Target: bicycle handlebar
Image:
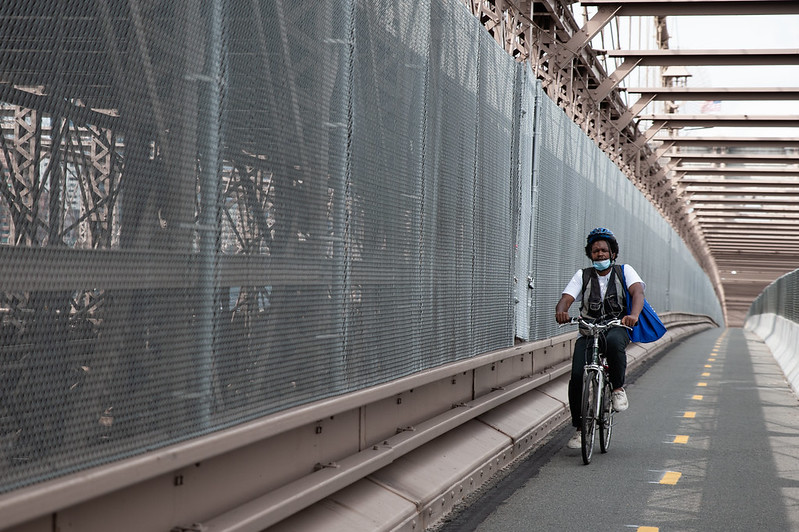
[(595, 327)]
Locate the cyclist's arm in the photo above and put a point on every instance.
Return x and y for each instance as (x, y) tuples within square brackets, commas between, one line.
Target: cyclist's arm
[(570, 294), (636, 302), (562, 308)]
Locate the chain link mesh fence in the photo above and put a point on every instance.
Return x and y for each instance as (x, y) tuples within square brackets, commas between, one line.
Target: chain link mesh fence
[(781, 297), (215, 211)]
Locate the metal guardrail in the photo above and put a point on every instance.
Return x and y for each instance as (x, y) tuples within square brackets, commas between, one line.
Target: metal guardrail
[(277, 466)]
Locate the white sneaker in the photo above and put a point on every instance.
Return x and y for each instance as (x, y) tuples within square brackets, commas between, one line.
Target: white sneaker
[(619, 401), (575, 442)]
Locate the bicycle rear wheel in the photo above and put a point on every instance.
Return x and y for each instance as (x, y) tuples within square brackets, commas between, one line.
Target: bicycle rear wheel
[(605, 419), (588, 412)]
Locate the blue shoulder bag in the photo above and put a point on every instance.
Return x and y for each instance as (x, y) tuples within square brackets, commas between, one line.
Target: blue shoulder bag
[(649, 327)]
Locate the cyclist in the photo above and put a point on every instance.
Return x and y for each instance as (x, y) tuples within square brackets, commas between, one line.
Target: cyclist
[(601, 295)]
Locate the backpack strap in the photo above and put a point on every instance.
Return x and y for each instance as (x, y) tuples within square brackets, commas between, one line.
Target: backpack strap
[(586, 279), (620, 273), (588, 275)]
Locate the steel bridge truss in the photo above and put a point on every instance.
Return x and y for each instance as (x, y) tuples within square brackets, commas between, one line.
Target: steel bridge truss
[(648, 148)]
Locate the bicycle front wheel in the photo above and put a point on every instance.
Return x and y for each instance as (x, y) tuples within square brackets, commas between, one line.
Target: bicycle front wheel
[(588, 412), (605, 419)]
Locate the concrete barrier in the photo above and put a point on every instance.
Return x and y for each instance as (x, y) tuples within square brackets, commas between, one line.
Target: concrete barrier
[(782, 337)]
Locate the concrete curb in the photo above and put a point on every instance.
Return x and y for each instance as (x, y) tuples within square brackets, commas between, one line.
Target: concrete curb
[(419, 489)]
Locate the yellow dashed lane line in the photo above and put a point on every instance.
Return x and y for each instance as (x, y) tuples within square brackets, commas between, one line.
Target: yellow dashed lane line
[(672, 477)]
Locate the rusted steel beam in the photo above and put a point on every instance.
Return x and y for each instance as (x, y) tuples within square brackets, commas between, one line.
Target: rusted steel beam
[(717, 93), (697, 7)]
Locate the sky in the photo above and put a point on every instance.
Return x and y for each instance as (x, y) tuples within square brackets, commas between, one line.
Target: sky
[(734, 33)]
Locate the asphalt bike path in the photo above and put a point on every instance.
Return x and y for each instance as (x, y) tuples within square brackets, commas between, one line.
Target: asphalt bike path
[(710, 442)]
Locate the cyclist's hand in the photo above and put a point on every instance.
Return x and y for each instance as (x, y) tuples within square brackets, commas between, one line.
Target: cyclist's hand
[(629, 320), (562, 317)]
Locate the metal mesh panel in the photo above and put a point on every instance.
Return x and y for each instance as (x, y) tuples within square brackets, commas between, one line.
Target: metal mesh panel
[(384, 196), (561, 207), (283, 201), (449, 181), (287, 209), (579, 188), (492, 232), (781, 297), (215, 211), (109, 166)]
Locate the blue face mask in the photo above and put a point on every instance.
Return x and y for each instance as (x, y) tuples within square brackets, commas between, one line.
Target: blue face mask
[(602, 264)]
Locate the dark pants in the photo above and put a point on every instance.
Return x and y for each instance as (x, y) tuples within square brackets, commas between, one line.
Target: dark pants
[(614, 344)]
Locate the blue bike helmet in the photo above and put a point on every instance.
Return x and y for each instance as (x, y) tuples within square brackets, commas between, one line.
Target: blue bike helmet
[(600, 233)]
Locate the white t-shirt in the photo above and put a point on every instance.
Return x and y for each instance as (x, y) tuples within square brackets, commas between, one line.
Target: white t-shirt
[(575, 286)]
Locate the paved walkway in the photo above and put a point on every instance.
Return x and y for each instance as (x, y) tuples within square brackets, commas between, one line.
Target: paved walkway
[(711, 442)]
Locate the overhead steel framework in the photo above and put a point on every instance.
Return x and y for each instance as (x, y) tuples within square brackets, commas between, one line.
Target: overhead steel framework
[(743, 229), (84, 119)]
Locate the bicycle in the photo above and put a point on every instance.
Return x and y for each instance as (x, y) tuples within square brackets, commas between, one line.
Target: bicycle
[(596, 405)]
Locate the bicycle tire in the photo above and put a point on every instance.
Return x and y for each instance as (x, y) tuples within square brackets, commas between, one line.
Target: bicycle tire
[(588, 412), (605, 419)]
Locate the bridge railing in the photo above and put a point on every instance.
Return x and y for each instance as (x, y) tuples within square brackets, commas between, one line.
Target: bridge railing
[(774, 316), (275, 468)]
